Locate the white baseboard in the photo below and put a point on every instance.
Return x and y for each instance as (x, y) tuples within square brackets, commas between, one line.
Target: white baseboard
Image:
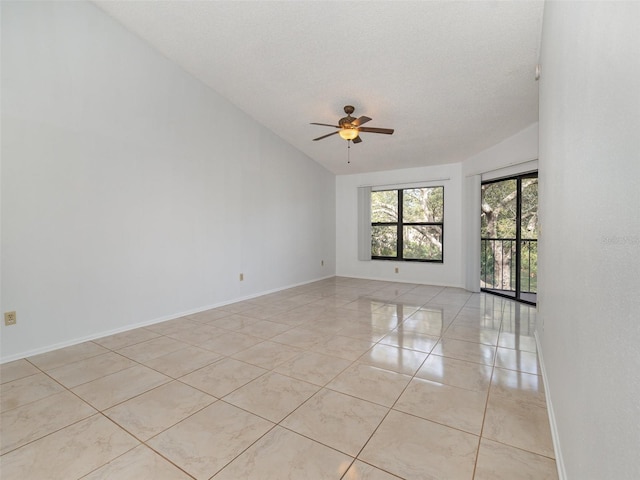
[(562, 474), (396, 280), (126, 328)]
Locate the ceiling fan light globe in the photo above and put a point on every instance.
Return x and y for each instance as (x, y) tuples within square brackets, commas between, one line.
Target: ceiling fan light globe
[(348, 133)]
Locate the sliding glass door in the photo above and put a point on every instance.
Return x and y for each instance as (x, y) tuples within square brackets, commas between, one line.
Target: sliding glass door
[(509, 236)]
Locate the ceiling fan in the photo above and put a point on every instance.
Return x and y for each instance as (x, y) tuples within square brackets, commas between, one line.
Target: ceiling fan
[(349, 128)]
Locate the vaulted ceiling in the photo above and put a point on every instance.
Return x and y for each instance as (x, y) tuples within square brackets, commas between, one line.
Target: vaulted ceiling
[(452, 77)]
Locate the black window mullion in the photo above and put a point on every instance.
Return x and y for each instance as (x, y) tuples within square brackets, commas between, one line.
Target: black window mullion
[(400, 243), (518, 236)]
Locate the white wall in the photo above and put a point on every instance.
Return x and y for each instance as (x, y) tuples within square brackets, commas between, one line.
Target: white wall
[(514, 155), (589, 257), (508, 156), (447, 273), (131, 192)]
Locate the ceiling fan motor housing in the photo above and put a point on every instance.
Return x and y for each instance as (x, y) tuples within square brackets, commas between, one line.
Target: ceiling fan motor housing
[(346, 122)]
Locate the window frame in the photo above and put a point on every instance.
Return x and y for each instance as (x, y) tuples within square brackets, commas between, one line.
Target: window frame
[(400, 224)]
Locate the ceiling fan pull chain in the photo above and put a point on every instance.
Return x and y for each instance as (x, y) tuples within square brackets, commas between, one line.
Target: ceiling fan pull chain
[(348, 151)]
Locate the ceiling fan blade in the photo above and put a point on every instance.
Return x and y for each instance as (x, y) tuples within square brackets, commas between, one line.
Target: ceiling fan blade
[(388, 131), (357, 140), (360, 121), (325, 136), (325, 125)]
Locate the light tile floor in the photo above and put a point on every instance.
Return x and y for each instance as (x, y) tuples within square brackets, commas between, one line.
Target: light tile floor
[(338, 379)]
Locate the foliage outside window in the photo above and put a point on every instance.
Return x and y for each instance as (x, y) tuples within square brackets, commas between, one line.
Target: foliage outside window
[(407, 224)]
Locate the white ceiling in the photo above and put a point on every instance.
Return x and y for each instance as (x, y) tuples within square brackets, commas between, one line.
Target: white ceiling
[(452, 77)]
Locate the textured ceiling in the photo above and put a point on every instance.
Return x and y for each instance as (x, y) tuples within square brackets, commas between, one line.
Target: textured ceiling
[(452, 78)]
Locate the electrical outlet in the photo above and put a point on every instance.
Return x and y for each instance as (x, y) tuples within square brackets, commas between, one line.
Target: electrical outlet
[(242, 277), (397, 270), (10, 318)]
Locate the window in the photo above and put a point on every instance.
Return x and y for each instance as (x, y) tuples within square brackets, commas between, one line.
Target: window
[(407, 224)]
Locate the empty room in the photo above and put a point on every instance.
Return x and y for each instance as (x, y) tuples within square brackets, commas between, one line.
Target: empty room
[(320, 239)]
